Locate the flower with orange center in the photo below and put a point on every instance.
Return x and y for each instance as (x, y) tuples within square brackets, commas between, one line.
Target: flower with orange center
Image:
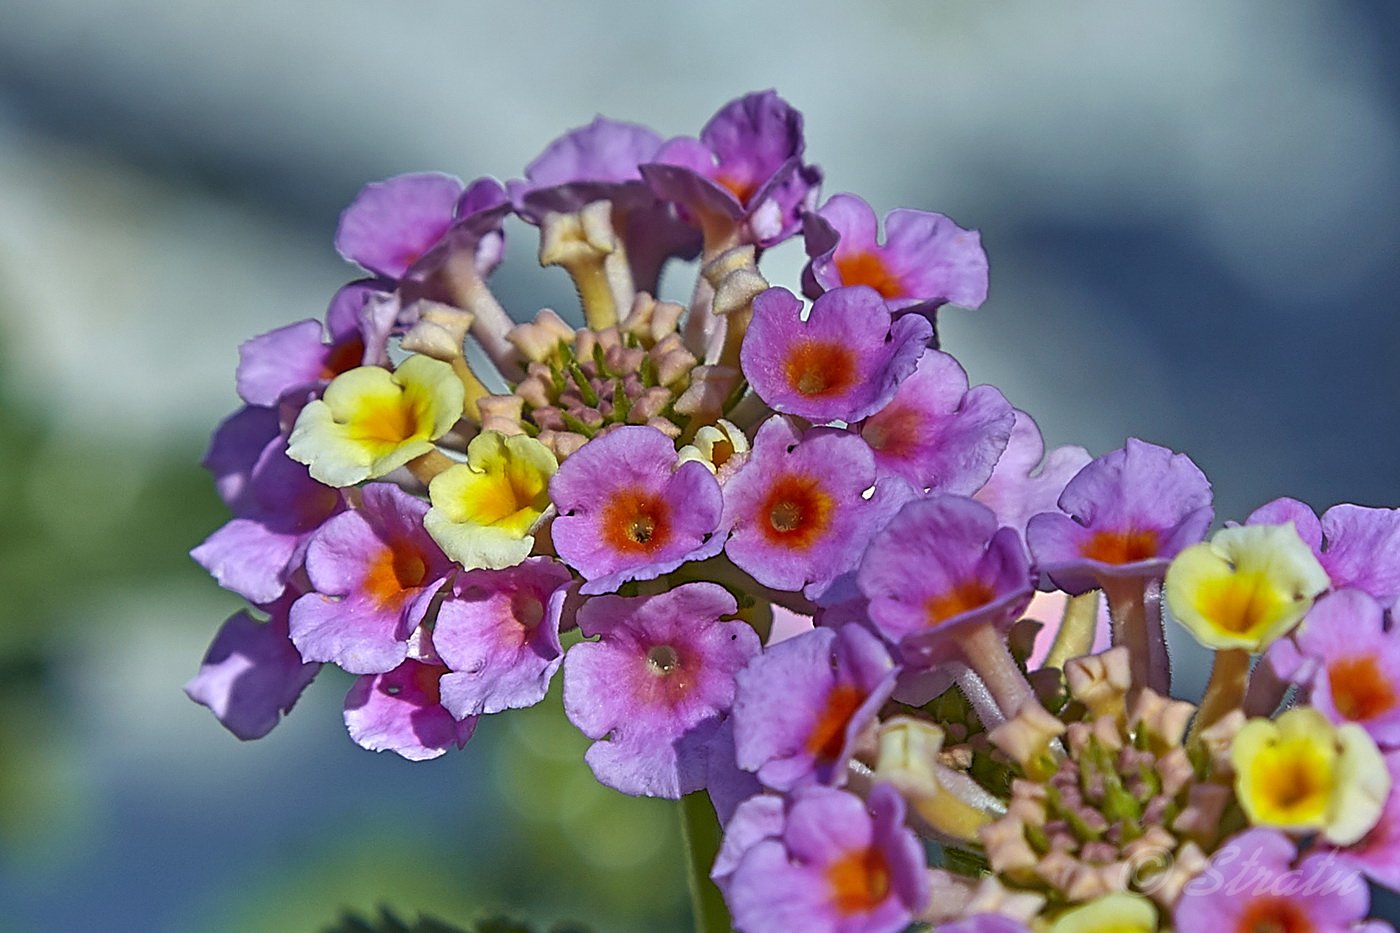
[(796, 510), (802, 706), (842, 362), (1349, 663), (1246, 588), (371, 421), (484, 510), (925, 261), (1300, 774), (627, 511), (374, 572), (1253, 885), (941, 564), (831, 862), (1123, 516)]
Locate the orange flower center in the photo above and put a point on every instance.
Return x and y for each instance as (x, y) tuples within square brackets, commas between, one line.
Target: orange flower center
[(893, 430), (394, 572), (796, 512), (819, 368), (1121, 547), (1360, 690), (967, 595), (741, 188), (344, 356), (859, 881), (869, 269), (829, 732), (637, 521), (1274, 915)]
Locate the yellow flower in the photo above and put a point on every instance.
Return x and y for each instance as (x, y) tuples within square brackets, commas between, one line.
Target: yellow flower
[(483, 510), (1301, 774), (1245, 588), (370, 421), (1112, 913)]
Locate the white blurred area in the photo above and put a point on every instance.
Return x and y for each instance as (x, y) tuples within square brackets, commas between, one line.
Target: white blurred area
[(170, 175)]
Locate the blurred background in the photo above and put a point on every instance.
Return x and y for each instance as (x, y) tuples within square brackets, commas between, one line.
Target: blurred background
[(1191, 211)]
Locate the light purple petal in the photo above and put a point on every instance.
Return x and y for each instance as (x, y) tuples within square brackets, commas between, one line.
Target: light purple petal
[(392, 223), (251, 674), (398, 711)]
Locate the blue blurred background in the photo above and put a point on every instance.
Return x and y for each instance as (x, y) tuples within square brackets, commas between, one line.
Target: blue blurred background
[(1191, 211)]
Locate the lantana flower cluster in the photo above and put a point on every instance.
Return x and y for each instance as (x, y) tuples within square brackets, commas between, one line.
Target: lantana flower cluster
[(797, 561)]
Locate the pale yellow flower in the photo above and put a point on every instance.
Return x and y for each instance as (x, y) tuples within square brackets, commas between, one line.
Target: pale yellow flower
[(484, 510), (371, 421), (1301, 774)]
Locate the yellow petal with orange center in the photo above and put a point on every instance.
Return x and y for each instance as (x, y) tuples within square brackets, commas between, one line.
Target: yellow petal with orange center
[(1246, 588), (371, 421), (483, 510), (1300, 774)]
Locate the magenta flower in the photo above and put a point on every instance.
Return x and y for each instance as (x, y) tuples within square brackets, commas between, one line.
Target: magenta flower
[(840, 865), (1348, 661), (1129, 513), (252, 673), (399, 711), (803, 705), (1016, 489), (926, 260), (842, 363), (276, 513), (374, 572), (940, 565), (655, 685), (746, 167), (498, 632), (1251, 884), (625, 514), (938, 434), (795, 511), (1358, 546)]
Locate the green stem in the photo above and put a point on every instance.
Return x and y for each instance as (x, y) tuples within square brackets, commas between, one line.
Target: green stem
[(701, 831)]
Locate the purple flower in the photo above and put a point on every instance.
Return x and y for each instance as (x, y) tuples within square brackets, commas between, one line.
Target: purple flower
[(624, 514), (600, 162), (795, 511), (804, 704), (943, 564), (1013, 492), (1250, 885), (655, 685), (936, 433), (840, 865), (498, 631), (1129, 513), (926, 260), (297, 358), (1358, 547), (399, 711), (746, 167), (277, 512), (374, 572), (235, 449), (252, 673), (1349, 662), (392, 223), (842, 363)]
